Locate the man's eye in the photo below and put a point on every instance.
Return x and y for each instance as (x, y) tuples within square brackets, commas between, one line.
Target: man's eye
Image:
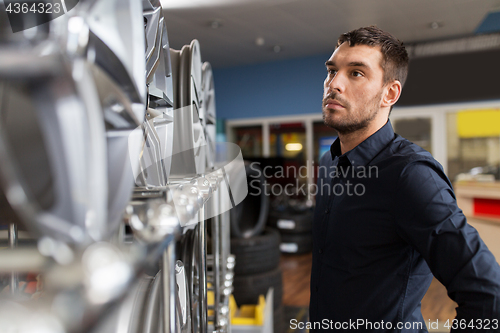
[(356, 73), (332, 71)]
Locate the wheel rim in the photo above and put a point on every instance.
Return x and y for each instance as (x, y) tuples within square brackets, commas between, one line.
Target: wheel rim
[(208, 114), (190, 253), (158, 125), (188, 134)]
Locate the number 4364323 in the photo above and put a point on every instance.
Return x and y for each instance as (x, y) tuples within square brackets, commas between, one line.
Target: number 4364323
[(35, 8)]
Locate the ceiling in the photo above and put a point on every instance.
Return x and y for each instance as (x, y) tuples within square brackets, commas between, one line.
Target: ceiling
[(307, 27)]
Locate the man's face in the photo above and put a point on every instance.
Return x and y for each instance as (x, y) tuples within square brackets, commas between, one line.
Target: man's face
[(353, 88)]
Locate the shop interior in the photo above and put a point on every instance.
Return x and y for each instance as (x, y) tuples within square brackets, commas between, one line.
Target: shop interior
[(159, 158)]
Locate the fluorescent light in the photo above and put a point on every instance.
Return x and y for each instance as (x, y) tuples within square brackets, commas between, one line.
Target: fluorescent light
[(293, 146), (184, 4), (173, 4)]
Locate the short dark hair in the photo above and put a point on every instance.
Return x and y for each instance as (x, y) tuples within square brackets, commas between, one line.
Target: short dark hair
[(395, 57)]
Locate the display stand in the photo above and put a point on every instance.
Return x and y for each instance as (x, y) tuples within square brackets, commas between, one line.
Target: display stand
[(243, 325)]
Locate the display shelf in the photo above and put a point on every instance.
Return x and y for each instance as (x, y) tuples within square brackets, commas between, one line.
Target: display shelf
[(479, 200)]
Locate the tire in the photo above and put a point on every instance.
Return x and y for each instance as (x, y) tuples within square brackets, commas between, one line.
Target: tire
[(291, 223), (249, 217), (256, 254), (296, 243), (247, 288)]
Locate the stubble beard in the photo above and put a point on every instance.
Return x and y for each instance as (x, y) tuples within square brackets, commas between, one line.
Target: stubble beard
[(348, 126)]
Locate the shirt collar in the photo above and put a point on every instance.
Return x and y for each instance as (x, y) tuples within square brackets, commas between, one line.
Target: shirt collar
[(366, 151)]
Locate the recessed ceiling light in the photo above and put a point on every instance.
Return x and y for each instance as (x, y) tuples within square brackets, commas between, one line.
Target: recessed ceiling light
[(435, 25), (277, 49), (215, 24), (260, 41)]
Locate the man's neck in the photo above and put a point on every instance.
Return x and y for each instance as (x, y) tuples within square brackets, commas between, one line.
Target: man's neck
[(349, 141)]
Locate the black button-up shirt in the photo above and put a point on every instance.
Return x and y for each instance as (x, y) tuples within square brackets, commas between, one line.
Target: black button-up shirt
[(386, 220)]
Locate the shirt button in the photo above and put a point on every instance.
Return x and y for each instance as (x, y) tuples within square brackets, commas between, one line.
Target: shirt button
[(320, 251), (317, 288), (327, 210)]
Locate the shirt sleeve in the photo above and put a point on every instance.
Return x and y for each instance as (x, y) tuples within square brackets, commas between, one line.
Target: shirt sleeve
[(429, 219)]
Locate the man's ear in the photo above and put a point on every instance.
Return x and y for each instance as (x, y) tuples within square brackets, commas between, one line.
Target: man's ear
[(392, 93)]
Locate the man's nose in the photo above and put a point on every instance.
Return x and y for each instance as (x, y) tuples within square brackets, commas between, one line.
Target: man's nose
[(336, 83)]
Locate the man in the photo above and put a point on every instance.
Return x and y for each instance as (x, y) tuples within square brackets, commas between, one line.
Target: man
[(386, 217)]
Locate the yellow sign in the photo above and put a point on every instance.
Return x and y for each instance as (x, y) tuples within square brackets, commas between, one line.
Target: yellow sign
[(478, 123)]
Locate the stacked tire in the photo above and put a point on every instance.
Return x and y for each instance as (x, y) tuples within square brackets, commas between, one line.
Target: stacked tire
[(295, 229), (257, 269)]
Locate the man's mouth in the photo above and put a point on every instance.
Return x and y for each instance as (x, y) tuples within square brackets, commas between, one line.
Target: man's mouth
[(333, 104)]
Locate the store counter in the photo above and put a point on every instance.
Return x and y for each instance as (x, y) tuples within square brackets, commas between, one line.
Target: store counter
[(480, 202)]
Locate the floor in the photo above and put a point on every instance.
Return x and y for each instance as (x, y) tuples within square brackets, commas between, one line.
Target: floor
[(437, 307)]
